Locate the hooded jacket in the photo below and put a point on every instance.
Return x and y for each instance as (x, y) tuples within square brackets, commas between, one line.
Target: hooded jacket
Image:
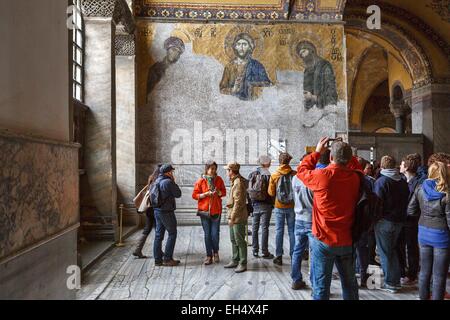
[(273, 182), (336, 193), (431, 205), (394, 193), (169, 191), (212, 204)]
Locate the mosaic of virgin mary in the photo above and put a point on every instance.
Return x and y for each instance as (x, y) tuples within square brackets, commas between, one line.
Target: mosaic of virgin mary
[(244, 74)]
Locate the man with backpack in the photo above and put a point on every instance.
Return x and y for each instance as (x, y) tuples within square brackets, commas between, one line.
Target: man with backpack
[(258, 184), (336, 193), (162, 197), (280, 187)]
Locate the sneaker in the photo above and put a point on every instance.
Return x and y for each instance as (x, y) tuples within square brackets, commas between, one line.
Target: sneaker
[(299, 285), (388, 288), (407, 282), (231, 265), (278, 261), (158, 263), (216, 258), (241, 268), (255, 254), (268, 256)]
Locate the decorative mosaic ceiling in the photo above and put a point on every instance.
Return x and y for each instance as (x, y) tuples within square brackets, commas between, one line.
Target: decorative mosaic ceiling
[(250, 10)]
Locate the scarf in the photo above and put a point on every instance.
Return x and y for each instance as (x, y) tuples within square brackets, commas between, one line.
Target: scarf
[(210, 180)]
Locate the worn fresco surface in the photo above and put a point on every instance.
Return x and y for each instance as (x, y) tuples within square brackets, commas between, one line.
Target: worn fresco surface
[(38, 192), (272, 86)]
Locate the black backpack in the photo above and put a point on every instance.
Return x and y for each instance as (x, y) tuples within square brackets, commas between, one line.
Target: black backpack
[(257, 187), (369, 210), (155, 195), (285, 193)]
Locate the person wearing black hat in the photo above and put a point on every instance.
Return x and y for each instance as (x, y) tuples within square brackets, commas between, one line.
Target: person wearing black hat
[(165, 217)]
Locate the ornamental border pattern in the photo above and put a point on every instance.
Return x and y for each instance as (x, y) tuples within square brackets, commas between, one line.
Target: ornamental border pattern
[(246, 13), (125, 45)]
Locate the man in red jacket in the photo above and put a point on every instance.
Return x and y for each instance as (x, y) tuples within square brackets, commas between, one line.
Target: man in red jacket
[(336, 193)]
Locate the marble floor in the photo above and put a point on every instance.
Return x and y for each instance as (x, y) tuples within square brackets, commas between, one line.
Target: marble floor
[(119, 276)]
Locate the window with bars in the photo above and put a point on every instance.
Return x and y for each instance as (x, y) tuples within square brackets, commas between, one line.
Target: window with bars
[(78, 52)]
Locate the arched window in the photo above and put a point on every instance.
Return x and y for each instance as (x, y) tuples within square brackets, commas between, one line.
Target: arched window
[(78, 52)]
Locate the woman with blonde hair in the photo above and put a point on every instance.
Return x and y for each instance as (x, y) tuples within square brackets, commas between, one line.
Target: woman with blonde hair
[(432, 202)]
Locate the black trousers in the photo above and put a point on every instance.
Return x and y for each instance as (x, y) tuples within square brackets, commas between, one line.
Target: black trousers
[(149, 221), (408, 250)]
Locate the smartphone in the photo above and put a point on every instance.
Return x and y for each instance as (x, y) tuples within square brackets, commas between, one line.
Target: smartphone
[(330, 141)]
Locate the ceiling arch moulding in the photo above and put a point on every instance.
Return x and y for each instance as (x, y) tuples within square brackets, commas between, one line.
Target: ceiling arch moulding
[(314, 11), (399, 13), (417, 61)]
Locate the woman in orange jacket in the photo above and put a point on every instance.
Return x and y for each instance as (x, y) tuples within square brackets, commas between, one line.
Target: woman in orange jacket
[(209, 191)]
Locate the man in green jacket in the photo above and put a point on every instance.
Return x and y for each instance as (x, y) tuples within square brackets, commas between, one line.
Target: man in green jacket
[(237, 217)]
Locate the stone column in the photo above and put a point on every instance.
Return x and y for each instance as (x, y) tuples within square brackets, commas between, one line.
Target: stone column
[(431, 116), (126, 104), (400, 110), (99, 191)]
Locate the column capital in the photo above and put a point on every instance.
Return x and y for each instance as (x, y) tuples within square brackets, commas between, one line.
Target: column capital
[(125, 45), (399, 108), (118, 10)]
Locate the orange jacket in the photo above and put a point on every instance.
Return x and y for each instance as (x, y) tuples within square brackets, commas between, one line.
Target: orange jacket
[(336, 192), (201, 186)]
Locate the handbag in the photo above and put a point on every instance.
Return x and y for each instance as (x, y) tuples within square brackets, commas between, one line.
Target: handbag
[(142, 200), (206, 214), (140, 196), (203, 214)]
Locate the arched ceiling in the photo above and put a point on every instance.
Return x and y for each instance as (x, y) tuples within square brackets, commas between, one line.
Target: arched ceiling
[(423, 51), (436, 13)]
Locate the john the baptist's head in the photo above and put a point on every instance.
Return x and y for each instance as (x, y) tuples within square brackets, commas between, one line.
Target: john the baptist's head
[(306, 50), (243, 45), (175, 48)]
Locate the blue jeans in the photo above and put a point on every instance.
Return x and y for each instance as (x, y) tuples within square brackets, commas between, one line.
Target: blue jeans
[(261, 218), (211, 227), (434, 266), (302, 232), (165, 220), (282, 215), (387, 234), (323, 257)]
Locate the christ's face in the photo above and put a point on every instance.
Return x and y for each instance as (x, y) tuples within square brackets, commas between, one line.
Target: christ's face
[(242, 48)]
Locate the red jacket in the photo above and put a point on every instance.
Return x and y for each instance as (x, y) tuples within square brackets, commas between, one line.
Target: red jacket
[(201, 186), (336, 192)]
